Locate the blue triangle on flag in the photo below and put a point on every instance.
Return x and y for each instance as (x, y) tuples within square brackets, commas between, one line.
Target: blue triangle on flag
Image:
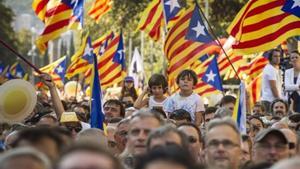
[(197, 30), (171, 8), (212, 75), (60, 69), (120, 53), (292, 7), (88, 51)]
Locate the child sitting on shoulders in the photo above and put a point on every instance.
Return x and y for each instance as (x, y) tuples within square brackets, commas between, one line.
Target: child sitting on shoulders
[(186, 98), (157, 87)]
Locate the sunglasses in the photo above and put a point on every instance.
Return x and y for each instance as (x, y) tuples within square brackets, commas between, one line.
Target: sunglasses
[(76, 129)]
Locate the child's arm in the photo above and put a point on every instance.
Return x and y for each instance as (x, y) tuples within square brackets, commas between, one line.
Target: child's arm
[(199, 111), (198, 118), (140, 101)]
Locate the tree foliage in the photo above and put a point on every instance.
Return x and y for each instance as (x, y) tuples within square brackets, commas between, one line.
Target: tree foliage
[(6, 33)]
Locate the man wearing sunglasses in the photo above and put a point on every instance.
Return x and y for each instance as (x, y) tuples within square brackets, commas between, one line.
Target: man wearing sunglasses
[(71, 122)]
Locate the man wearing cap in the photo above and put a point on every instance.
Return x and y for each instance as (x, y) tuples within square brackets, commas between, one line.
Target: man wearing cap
[(270, 145)]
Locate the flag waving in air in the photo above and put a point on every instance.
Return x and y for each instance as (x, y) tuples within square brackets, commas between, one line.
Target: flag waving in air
[(60, 69), (60, 16), (56, 70), (171, 8), (239, 111), (212, 75), (97, 115), (180, 51), (152, 20), (197, 30), (263, 24), (17, 71), (81, 60), (40, 8), (99, 8)]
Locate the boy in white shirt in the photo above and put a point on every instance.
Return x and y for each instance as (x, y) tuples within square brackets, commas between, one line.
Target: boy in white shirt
[(186, 99)]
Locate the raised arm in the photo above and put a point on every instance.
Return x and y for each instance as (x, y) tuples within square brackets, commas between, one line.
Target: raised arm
[(57, 104)]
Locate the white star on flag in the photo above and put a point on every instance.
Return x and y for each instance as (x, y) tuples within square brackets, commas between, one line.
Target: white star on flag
[(19, 74), (75, 2), (60, 69), (296, 3), (210, 76), (121, 52), (173, 4), (88, 50), (199, 29), (102, 49)]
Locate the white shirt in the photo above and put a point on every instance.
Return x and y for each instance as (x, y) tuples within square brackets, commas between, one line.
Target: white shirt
[(270, 73), (192, 104), (289, 84), (152, 103)]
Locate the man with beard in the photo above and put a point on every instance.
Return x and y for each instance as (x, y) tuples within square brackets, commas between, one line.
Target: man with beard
[(271, 80), (270, 145), (279, 108), (222, 144), (112, 109)]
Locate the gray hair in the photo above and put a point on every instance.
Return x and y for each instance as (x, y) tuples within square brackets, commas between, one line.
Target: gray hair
[(146, 113), (123, 121), (163, 131), (291, 163), (226, 121), (92, 134), (10, 156), (223, 112)]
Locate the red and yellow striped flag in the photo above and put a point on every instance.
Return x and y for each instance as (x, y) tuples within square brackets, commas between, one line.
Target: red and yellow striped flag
[(181, 53), (50, 70), (152, 20), (224, 64), (100, 45), (40, 8), (99, 8), (254, 90), (111, 64), (202, 88), (78, 64), (263, 24), (61, 15)]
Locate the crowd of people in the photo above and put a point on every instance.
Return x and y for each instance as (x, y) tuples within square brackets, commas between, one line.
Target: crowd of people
[(155, 129)]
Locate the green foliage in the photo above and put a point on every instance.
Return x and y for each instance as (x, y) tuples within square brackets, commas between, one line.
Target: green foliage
[(222, 14), (24, 38), (6, 33)]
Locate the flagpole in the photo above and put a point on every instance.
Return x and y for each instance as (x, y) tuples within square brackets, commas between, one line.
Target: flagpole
[(20, 56), (218, 42), (165, 30)]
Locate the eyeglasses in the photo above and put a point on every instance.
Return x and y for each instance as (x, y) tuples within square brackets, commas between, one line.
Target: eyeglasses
[(266, 146), (192, 139), (76, 129), (227, 144)]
